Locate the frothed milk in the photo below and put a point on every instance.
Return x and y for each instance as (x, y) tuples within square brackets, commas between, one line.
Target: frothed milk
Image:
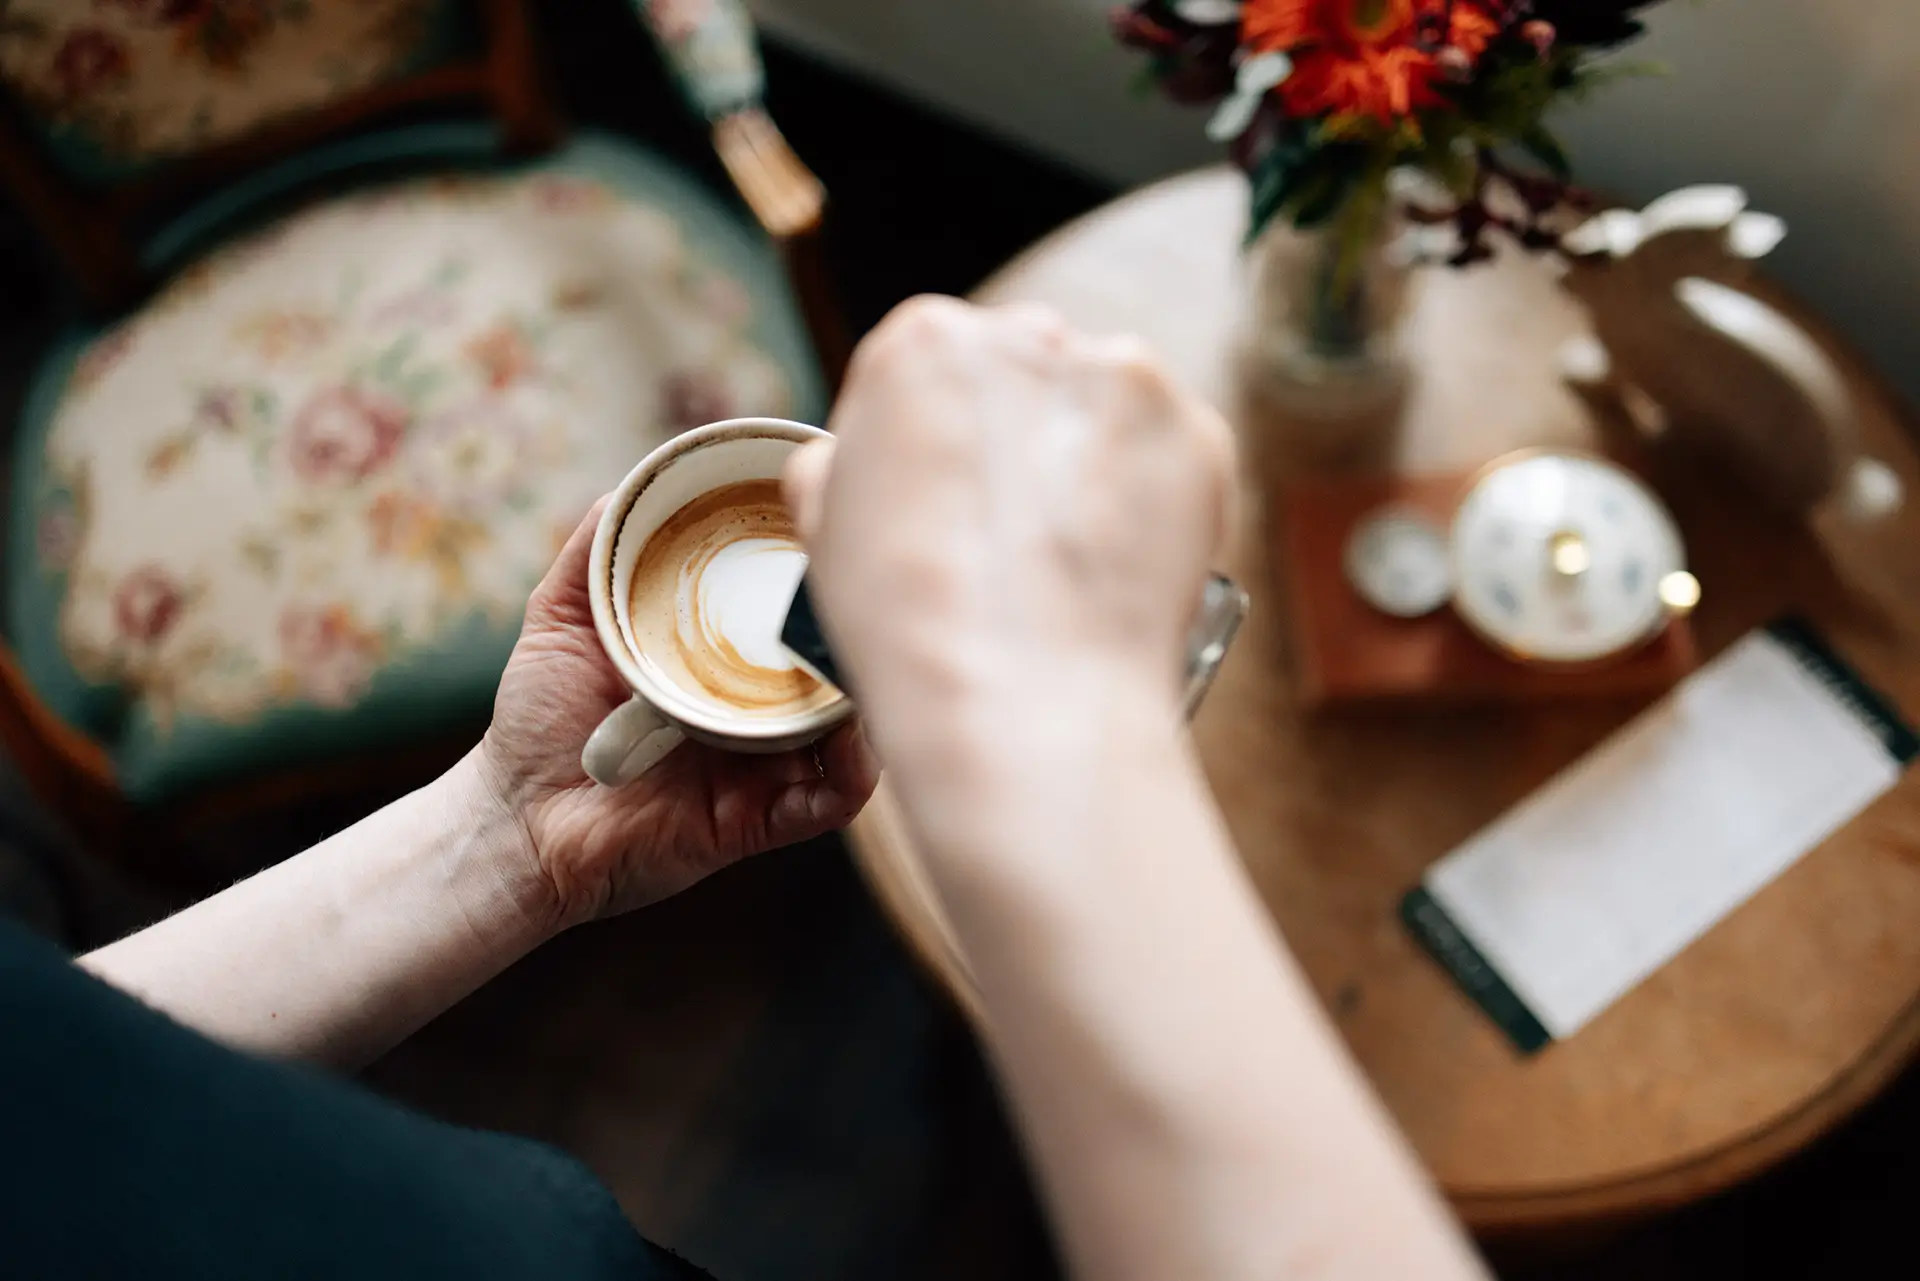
[(710, 592)]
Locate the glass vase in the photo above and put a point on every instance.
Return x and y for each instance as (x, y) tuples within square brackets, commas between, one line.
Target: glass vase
[(1325, 335)]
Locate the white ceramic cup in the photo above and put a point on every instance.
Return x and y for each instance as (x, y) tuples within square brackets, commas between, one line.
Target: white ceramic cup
[(660, 716)]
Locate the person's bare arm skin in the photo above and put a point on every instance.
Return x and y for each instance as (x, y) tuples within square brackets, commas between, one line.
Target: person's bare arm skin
[(1191, 1110), (342, 951), (1008, 543)]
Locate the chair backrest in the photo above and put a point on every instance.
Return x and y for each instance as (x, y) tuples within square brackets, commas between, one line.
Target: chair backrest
[(712, 48), (117, 108), (117, 86)]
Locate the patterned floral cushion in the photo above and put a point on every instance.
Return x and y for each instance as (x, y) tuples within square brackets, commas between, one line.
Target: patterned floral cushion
[(123, 83), (320, 472)]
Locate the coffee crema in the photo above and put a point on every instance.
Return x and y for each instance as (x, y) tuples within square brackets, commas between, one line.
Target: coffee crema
[(709, 597)]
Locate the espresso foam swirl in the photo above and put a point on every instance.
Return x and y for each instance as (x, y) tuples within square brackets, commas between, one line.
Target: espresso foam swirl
[(710, 592)]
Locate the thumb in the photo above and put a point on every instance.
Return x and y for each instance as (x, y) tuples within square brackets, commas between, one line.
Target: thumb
[(803, 483), (563, 598)]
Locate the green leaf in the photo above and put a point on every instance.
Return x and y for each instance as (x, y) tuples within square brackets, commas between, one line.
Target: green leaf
[(419, 385), (1359, 220), (1309, 176), (1322, 198), (388, 364), (1592, 75), (1448, 155), (1339, 170), (1509, 93), (262, 555), (1539, 143), (234, 662), (449, 272), (1275, 184)]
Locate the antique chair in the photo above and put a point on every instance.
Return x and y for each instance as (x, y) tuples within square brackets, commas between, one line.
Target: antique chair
[(273, 523)]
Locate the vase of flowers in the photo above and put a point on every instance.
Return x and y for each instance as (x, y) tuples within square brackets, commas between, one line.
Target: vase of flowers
[(1326, 308), (1377, 135)]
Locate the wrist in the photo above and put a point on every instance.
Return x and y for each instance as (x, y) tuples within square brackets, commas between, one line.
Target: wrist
[(499, 878), (999, 761), (1045, 719)]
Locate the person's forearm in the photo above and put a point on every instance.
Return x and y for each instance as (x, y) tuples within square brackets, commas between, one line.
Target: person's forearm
[(1188, 1107), (340, 952)]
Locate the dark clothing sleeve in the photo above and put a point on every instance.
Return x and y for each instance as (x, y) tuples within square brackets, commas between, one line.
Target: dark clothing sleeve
[(131, 1147)]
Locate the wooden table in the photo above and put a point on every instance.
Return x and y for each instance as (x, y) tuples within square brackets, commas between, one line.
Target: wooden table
[(1766, 1032)]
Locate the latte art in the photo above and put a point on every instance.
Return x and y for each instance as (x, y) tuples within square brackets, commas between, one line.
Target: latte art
[(710, 593)]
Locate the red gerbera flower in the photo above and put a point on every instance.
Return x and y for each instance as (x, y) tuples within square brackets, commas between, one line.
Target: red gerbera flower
[(1373, 58)]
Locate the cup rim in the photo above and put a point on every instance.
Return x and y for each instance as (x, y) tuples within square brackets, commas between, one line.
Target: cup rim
[(665, 697)]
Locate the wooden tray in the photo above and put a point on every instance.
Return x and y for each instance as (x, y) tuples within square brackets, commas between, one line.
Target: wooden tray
[(1346, 651)]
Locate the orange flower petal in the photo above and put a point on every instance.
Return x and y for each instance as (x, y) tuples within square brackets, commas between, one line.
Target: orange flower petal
[(1266, 25), (1358, 57)]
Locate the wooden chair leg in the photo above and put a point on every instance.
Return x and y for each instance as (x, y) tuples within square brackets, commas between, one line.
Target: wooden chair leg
[(790, 204), (83, 235), (529, 121), (70, 775), (806, 262)]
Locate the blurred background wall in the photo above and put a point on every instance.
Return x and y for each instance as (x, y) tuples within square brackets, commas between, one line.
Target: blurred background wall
[(1813, 105)]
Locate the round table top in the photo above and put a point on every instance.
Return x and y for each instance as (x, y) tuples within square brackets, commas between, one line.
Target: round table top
[(1785, 1017)]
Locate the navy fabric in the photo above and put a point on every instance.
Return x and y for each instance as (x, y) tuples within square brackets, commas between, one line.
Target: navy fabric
[(130, 1146)]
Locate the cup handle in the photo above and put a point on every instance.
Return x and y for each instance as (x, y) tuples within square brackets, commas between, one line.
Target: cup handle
[(633, 739)]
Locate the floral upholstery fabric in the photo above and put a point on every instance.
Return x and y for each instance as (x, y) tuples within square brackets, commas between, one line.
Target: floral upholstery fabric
[(710, 44), (352, 442), (134, 81)]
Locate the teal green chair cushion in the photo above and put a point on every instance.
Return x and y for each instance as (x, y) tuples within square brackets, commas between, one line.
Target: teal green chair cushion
[(292, 508)]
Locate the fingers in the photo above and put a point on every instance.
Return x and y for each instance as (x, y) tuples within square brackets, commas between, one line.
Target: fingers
[(1141, 375), (1132, 369), (921, 324), (913, 324), (803, 484), (832, 794), (848, 764), (562, 599), (781, 800), (1032, 328)]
